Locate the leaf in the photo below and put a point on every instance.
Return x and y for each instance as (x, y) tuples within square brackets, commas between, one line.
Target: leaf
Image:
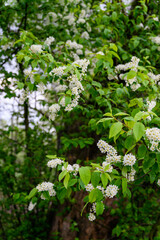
[(72, 182), (32, 193), (97, 84), (113, 46), (67, 100), (20, 85), (115, 129), (104, 120), (124, 186), (108, 114), (51, 156), (99, 208), (142, 151), (95, 179), (138, 130), (104, 179), (121, 114), (129, 142), (85, 174), (131, 74), (66, 180), (95, 195), (62, 175)]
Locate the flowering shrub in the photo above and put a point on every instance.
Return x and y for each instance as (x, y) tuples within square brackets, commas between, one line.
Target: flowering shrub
[(95, 66)]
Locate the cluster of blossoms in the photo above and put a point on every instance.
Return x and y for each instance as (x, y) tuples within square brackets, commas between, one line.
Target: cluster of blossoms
[(129, 160), (92, 216), (112, 156), (150, 106), (29, 74), (46, 186), (31, 206), (156, 78), (71, 168), (131, 175), (158, 182), (49, 41), (153, 135), (36, 48), (111, 191), (133, 65), (54, 108), (72, 82), (54, 162), (7, 45), (156, 40)]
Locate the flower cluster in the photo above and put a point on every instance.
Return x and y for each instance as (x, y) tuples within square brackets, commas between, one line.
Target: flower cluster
[(53, 111), (36, 48), (153, 135), (111, 191), (156, 78), (46, 186), (59, 71), (133, 65), (73, 45), (49, 41), (89, 187), (29, 74), (131, 175), (129, 160), (158, 182), (31, 206), (54, 162), (111, 152)]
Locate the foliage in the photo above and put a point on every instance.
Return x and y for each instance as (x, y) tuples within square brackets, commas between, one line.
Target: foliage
[(100, 85)]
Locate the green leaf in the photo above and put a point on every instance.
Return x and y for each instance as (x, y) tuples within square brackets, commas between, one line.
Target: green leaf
[(131, 74), (20, 85), (138, 130), (85, 174), (66, 180), (142, 151), (99, 208), (51, 156), (104, 120), (104, 179), (95, 179), (67, 100), (114, 16), (129, 142), (95, 195), (62, 175), (115, 129), (72, 182), (108, 114), (113, 46), (124, 186), (32, 193), (121, 114)]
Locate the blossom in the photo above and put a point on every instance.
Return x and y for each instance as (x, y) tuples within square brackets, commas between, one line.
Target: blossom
[(158, 182), (85, 35), (46, 186), (49, 40), (69, 168), (54, 162), (105, 147), (129, 160), (89, 187), (59, 71), (31, 206), (111, 191), (91, 217), (36, 48)]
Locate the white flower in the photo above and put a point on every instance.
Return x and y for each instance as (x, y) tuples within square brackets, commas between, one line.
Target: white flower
[(108, 167), (49, 40), (91, 217), (54, 108), (53, 163), (36, 48), (129, 160), (89, 187), (158, 182), (85, 35), (45, 186), (58, 71), (111, 191), (69, 168), (82, 63), (105, 147), (41, 87), (31, 206)]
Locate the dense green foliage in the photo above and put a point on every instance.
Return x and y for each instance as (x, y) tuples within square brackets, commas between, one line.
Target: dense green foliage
[(99, 80)]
